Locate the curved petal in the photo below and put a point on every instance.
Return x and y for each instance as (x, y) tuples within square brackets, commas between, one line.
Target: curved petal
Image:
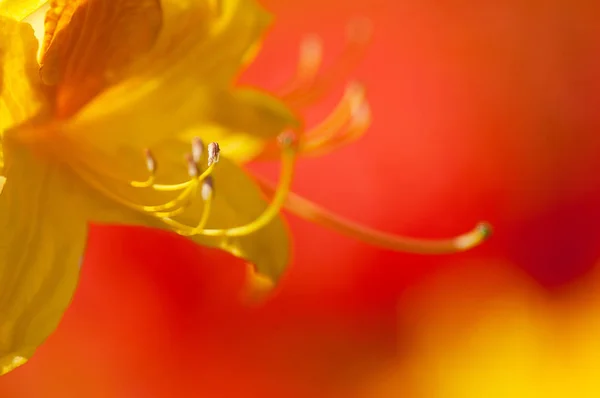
[(19, 9), (42, 234), (243, 121), (185, 81), (20, 88), (88, 45), (237, 201)]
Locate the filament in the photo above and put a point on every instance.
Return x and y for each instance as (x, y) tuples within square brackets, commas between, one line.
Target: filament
[(314, 213), (176, 206), (309, 63), (347, 122), (183, 230), (288, 159), (353, 98), (356, 129), (301, 95)]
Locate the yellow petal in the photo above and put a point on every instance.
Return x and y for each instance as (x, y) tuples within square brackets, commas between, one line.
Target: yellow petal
[(185, 84), (89, 44), (19, 9), (210, 39), (243, 121), (237, 201), (20, 89), (43, 233), (21, 95)]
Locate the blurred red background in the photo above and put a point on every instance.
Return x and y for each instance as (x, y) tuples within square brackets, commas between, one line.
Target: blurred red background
[(482, 111)]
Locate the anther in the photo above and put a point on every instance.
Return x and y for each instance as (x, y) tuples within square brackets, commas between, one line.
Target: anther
[(213, 153), (311, 53), (151, 166), (288, 158), (207, 188), (287, 139), (193, 169), (485, 229), (150, 162), (197, 149), (184, 192)]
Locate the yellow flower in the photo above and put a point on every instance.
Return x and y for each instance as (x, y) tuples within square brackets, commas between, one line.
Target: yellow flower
[(109, 125)]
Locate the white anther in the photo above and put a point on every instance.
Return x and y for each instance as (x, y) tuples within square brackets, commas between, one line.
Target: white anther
[(213, 153), (197, 149), (207, 188), (150, 162), (193, 170)]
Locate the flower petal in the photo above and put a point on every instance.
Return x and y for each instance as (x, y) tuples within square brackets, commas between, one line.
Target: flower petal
[(42, 234), (89, 44), (184, 83), (242, 122), (237, 201), (19, 9), (20, 89)]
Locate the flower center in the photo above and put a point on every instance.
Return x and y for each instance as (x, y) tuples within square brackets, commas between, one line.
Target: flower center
[(200, 164)]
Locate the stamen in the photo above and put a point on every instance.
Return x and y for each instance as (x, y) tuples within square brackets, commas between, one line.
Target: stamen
[(207, 188), (178, 205), (349, 109), (346, 123), (309, 63), (175, 206), (172, 207), (207, 196), (358, 39), (197, 149), (206, 210), (354, 95), (359, 124), (288, 158), (207, 193), (314, 213), (183, 185), (151, 166), (311, 56), (192, 161), (213, 153), (193, 169)]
